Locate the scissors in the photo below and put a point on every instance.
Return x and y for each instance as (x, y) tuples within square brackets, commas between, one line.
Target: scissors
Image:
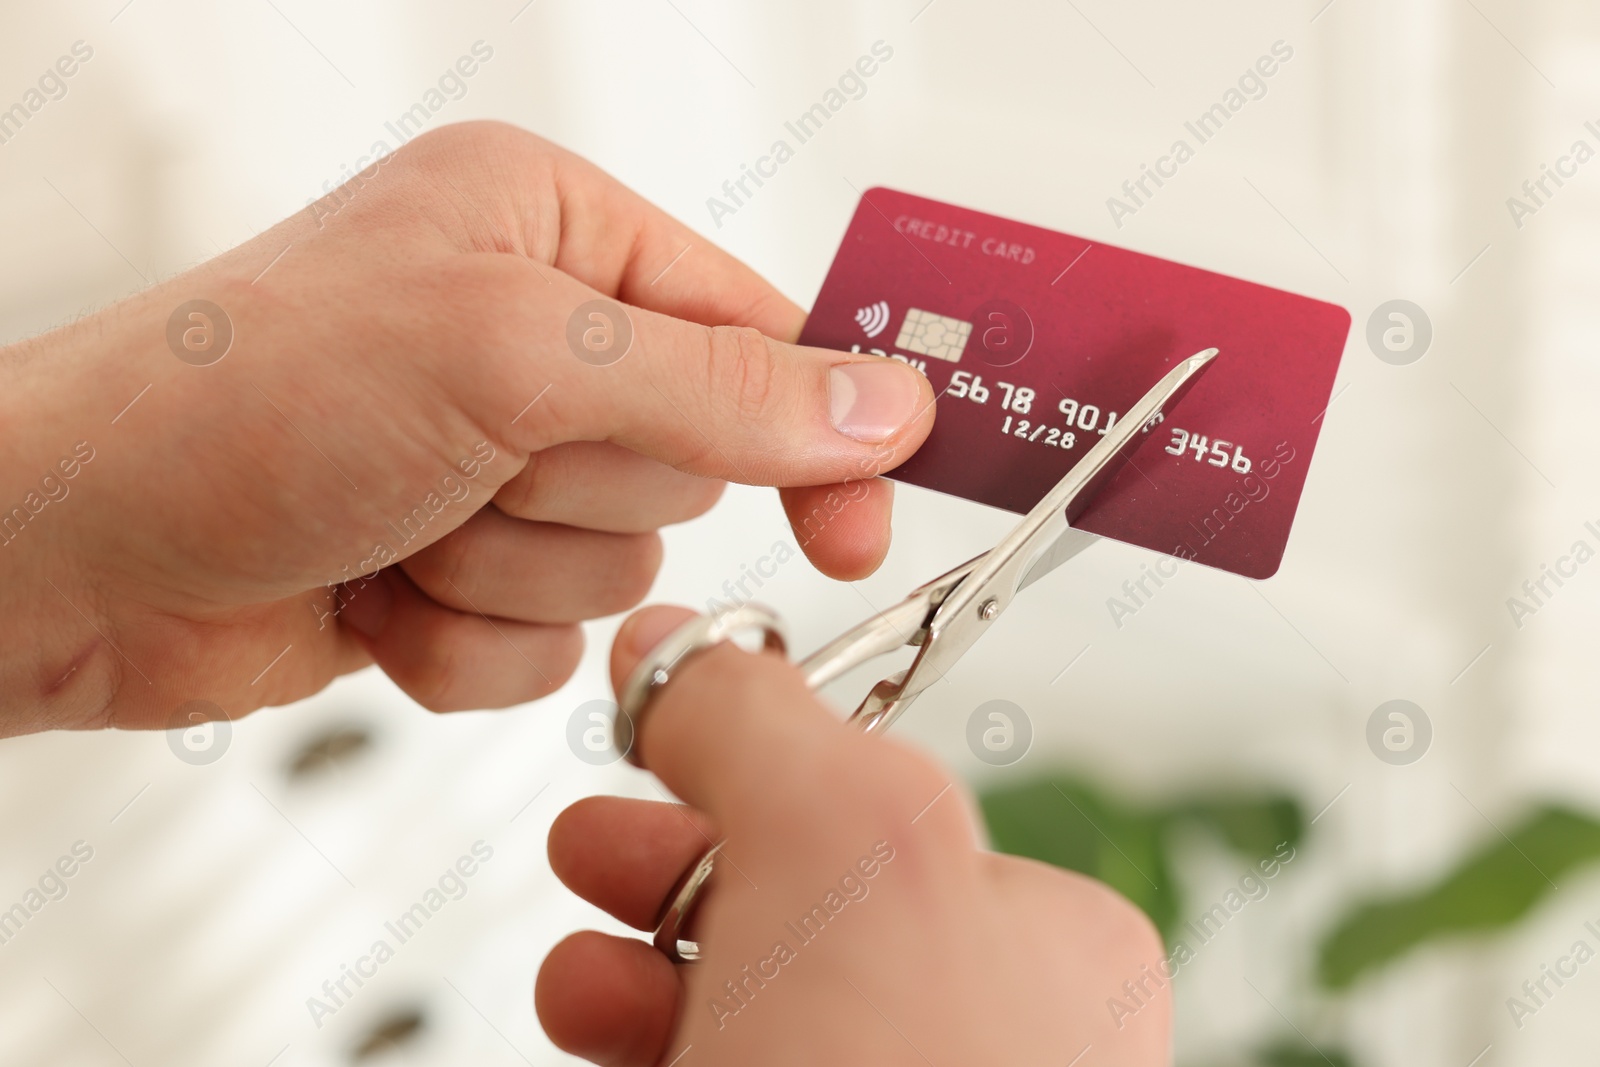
[(942, 619)]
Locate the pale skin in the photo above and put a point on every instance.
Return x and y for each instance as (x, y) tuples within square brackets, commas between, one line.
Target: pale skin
[(398, 336), (954, 955), (403, 345)]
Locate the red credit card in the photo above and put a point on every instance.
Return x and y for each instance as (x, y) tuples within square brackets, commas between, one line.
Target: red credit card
[(1038, 341)]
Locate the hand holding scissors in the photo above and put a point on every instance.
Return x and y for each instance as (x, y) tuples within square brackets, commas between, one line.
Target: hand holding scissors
[(942, 619)]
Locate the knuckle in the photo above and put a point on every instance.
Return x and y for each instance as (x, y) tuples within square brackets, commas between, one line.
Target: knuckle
[(632, 564), (1123, 923), (431, 677), (1138, 929), (914, 789), (559, 661), (447, 148), (742, 370), (524, 496), (697, 452), (640, 563), (443, 568), (447, 676), (702, 498)]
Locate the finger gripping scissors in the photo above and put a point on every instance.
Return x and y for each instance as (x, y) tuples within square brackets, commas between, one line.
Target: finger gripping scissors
[(941, 619)]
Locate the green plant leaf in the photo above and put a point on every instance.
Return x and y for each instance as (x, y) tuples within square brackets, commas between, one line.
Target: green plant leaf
[(1295, 1052), (1489, 890), (1069, 822), (1252, 826)]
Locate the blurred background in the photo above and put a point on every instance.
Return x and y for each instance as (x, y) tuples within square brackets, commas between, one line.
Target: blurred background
[(1432, 876)]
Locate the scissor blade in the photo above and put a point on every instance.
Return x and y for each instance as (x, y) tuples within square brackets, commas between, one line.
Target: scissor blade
[(1069, 544), (1090, 474), (1042, 540)]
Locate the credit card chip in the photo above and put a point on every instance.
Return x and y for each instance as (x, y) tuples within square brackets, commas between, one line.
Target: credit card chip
[(928, 334)]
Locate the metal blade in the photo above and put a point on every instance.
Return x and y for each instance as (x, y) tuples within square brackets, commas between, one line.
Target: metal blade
[(1104, 460), (1069, 544), (990, 582)]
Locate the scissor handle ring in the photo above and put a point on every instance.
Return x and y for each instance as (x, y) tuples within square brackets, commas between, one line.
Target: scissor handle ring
[(650, 676), (693, 637), (669, 939)]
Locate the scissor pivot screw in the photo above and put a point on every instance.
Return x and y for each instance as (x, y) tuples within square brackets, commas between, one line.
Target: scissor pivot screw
[(990, 609)]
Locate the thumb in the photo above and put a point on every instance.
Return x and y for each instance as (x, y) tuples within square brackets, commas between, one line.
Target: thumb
[(729, 402)]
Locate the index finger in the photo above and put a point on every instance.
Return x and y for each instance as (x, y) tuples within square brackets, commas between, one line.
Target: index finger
[(664, 266)]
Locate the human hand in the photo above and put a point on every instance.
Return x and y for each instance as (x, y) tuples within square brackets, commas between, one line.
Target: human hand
[(400, 360), (929, 949)]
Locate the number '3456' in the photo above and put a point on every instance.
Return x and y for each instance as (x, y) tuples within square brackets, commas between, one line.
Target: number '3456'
[(1216, 453)]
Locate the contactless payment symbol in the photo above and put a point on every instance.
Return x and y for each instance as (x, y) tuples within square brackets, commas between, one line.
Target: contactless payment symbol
[(873, 318)]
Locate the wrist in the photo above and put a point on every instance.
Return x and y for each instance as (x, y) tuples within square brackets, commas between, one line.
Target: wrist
[(57, 668)]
